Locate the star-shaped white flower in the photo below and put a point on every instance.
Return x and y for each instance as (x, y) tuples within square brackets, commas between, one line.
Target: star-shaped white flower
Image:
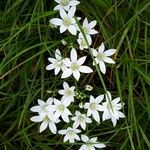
[(60, 109), (41, 107), (75, 66), (67, 22), (88, 29), (68, 93), (91, 144), (111, 109), (102, 57), (70, 134), (57, 64), (47, 121), (65, 4), (80, 120), (93, 107), (82, 42)]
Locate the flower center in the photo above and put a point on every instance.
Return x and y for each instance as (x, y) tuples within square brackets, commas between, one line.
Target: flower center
[(61, 108), (101, 56), (68, 92), (58, 64), (64, 2), (46, 118), (93, 106), (67, 22), (74, 66), (83, 43), (70, 132), (81, 118), (86, 30)]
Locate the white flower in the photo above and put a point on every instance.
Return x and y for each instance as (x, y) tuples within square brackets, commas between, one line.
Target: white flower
[(88, 88), (57, 64), (88, 29), (81, 105), (93, 107), (111, 109), (41, 108), (75, 66), (101, 57), (46, 120), (80, 119), (90, 144), (67, 22), (60, 109), (70, 134), (82, 42), (65, 4), (68, 93)]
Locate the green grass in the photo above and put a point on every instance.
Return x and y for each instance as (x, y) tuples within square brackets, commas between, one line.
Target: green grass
[(26, 41)]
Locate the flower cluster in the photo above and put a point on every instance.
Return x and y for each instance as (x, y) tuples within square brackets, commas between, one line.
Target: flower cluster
[(59, 110)]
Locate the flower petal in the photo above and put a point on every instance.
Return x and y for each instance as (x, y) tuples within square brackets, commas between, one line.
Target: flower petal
[(71, 12), (50, 67), (92, 24), (36, 119), (76, 75), (85, 69), (52, 127), (81, 60), (110, 52), (73, 55), (63, 28), (66, 73), (84, 138), (92, 32), (72, 29), (74, 3), (96, 116), (56, 21), (102, 67), (43, 126), (101, 48), (109, 60), (58, 54), (63, 14)]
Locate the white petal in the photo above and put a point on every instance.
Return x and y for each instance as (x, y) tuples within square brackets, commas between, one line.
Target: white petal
[(92, 32), (62, 132), (84, 138), (57, 71), (52, 60), (116, 100), (76, 75), (86, 105), (66, 138), (73, 55), (71, 12), (99, 145), (75, 124), (96, 116), (83, 147), (105, 115), (114, 121), (108, 96), (92, 24), (110, 52), (67, 62), (89, 112), (85, 69), (99, 98), (101, 48), (52, 127), (65, 117), (121, 115), (74, 3), (109, 60), (66, 7), (58, 54), (50, 67), (83, 125), (72, 29), (41, 103), (58, 7), (61, 92), (81, 60), (35, 108), (63, 14), (56, 21), (102, 67), (36, 119), (94, 52), (66, 73), (85, 22), (65, 85), (76, 137), (43, 126), (92, 99), (63, 28), (58, 1)]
